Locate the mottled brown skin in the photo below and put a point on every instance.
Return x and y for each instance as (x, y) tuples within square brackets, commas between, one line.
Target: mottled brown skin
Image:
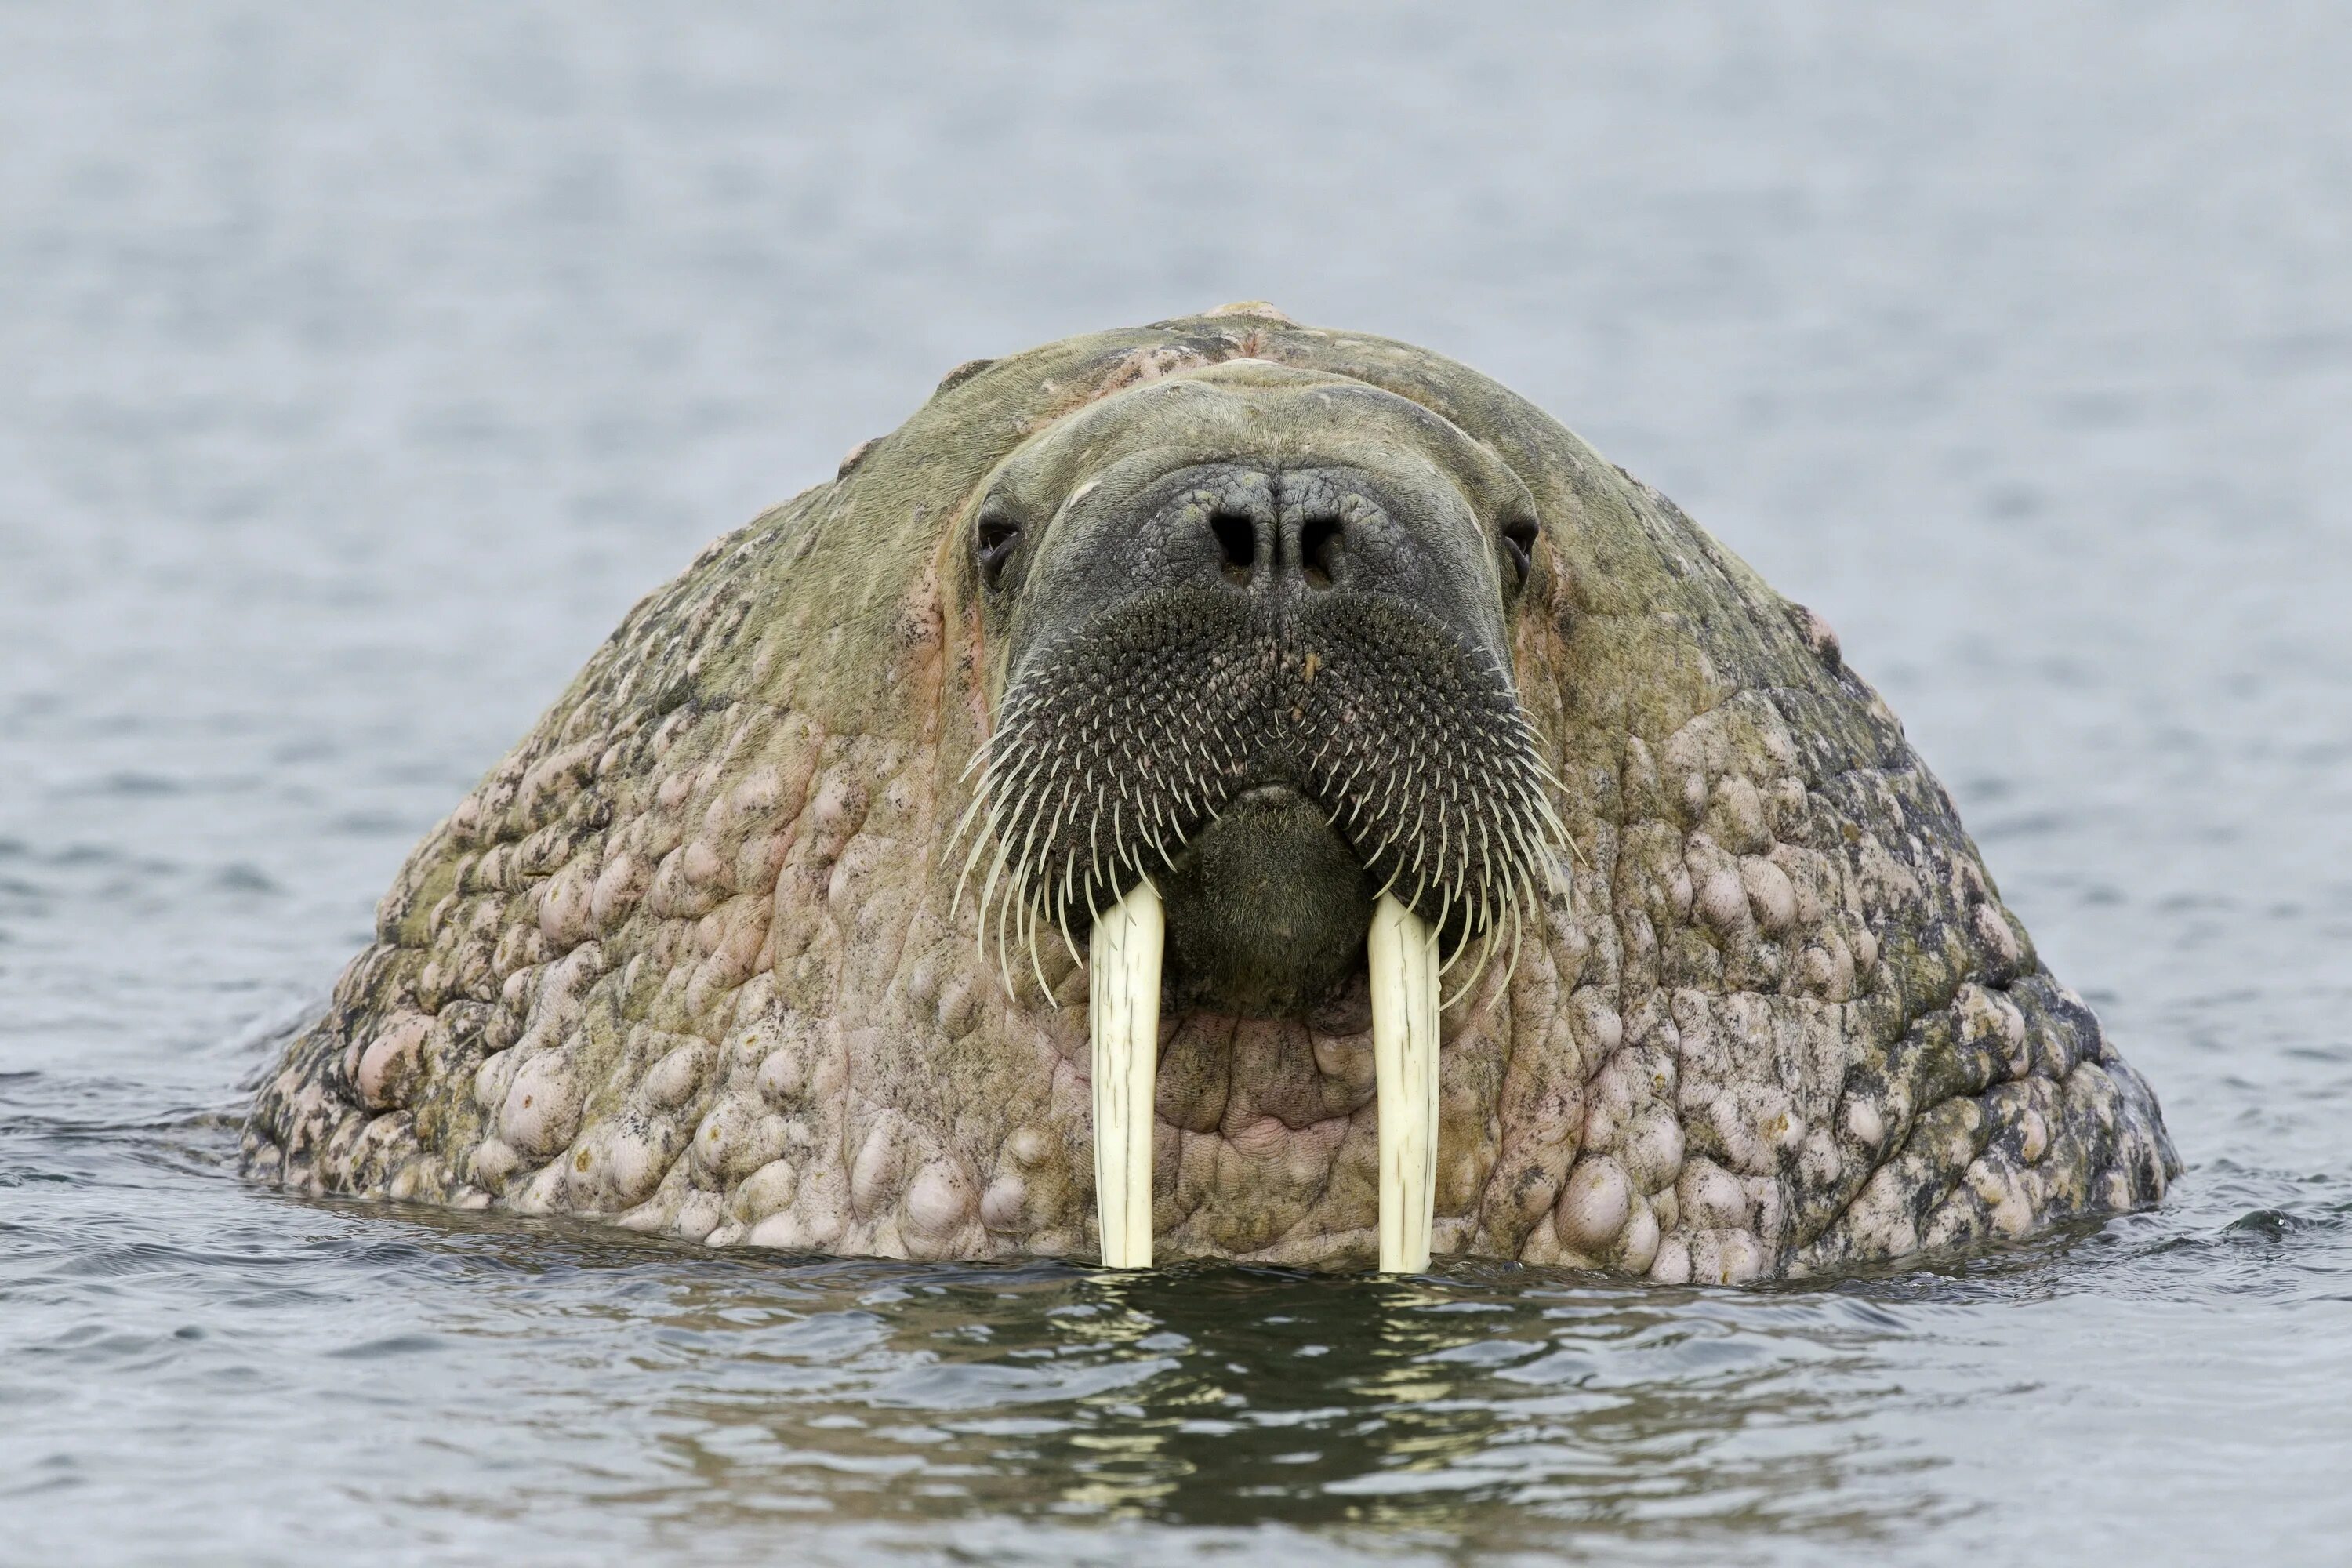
[(685, 958)]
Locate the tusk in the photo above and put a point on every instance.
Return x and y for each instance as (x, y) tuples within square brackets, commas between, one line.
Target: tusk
[(1404, 953), (1123, 1008)]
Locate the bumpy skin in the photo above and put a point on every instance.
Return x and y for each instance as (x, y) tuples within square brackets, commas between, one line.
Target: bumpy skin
[(685, 958)]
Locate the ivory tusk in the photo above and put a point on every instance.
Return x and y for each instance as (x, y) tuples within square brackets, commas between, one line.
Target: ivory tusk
[(1123, 1011), (1403, 954)]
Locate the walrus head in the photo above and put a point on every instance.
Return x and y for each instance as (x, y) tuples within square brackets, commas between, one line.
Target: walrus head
[(1253, 632), (1220, 788), (1254, 686)]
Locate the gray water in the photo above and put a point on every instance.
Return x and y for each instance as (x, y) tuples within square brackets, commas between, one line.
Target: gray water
[(359, 368)]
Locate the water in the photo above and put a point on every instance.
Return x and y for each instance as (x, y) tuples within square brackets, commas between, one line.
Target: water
[(357, 370)]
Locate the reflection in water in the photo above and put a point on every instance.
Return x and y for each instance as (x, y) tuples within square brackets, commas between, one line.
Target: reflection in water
[(742, 1388)]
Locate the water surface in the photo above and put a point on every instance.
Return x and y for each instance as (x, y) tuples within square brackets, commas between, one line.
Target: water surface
[(357, 370)]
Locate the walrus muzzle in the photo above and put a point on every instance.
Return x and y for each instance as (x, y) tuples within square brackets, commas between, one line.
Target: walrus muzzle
[(1258, 744)]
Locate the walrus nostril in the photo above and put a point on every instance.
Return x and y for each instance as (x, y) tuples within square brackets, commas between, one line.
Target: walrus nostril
[(1237, 538), (1319, 544)]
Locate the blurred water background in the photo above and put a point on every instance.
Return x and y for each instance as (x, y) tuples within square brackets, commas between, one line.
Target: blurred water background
[(358, 366)]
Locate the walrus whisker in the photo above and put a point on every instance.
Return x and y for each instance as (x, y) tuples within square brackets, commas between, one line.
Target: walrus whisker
[(964, 823), (1035, 966), (1094, 838), (988, 897), (979, 847), (1560, 834), (1486, 872), (1122, 848), (1003, 958), (1527, 851), (1008, 929), (1511, 969), (1447, 1004), (1356, 810), (1022, 873), (1461, 942), (1486, 952), (1061, 810)]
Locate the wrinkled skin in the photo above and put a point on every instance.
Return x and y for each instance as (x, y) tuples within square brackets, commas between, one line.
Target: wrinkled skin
[(690, 957)]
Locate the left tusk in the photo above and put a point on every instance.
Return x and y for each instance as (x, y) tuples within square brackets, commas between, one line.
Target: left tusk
[(1403, 950)]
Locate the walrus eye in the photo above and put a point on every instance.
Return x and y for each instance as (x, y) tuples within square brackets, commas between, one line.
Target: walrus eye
[(993, 546), (1519, 539)]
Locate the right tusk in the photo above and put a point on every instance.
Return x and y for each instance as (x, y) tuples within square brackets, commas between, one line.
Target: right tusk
[(1403, 950)]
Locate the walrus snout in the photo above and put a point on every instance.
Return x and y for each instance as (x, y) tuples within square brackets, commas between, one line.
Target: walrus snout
[(1204, 585)]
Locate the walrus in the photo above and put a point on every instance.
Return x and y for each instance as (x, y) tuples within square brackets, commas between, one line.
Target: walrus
[(1220, 789)]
